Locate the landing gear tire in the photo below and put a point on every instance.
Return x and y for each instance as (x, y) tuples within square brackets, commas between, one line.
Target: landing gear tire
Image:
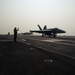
[(42, 35), (54, 35)]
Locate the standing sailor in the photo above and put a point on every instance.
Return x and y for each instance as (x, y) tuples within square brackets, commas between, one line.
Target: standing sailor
[(15, 33)]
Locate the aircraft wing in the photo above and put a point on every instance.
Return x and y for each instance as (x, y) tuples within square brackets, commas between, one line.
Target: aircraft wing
[(54, 30), (42, 31)]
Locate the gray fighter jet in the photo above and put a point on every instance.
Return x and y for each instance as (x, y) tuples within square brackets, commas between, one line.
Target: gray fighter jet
[(50, 32)]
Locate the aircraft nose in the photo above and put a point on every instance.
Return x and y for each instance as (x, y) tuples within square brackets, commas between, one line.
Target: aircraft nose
[(64, 31)]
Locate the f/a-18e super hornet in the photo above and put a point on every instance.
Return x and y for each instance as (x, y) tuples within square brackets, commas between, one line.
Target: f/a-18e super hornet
[(50, 32), (26, 33)]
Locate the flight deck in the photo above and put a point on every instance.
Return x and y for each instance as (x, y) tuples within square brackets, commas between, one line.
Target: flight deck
[(61, 45), (34, 55)]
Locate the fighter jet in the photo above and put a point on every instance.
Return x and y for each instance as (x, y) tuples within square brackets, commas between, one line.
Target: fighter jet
[(26, 33), (50, 32)]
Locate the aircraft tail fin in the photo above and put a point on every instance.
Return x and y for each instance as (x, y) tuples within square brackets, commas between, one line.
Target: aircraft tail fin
[(45, 27), (39, 27)]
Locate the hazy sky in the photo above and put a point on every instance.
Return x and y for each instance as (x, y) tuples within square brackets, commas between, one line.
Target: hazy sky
[(26, 14)]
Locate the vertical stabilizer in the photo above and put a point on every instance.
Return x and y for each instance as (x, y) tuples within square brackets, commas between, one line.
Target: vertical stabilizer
[(39, 27), (45, 27)]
